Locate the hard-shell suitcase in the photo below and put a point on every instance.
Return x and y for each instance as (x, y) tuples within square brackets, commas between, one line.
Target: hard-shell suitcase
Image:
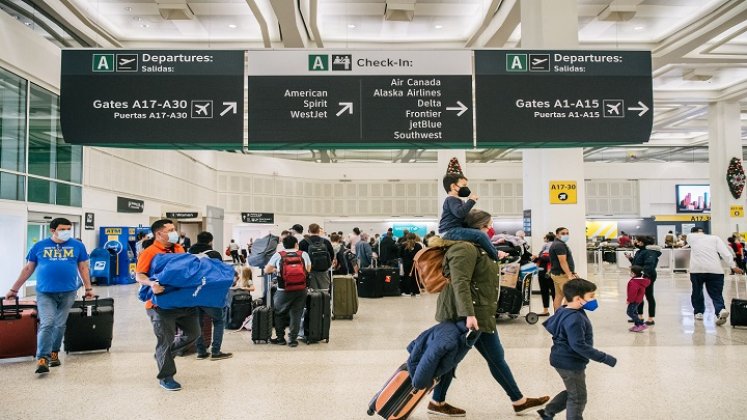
[(239, 308), (89, 325), (389, 278), (344, 297), (397, 399), (262, 315), (738, 317), (370, 285), (18, 327), (509, 301), (317, 318)]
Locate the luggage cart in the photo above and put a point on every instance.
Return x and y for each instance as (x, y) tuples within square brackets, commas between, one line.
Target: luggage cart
[(512, 301)]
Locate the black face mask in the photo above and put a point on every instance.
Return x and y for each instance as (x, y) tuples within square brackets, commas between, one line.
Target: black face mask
[(640, 246), (464, 192)]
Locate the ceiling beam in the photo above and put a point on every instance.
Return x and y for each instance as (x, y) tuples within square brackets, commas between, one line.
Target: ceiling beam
[(290, 20), (501, 20), (261, 21)]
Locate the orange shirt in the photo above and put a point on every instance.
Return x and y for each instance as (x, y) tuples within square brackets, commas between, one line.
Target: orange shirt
[(146, 257)]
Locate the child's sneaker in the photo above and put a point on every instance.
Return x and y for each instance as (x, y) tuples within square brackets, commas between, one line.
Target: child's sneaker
[(638, 328)]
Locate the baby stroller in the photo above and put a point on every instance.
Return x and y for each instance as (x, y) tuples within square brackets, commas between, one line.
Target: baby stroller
[(512, 300)]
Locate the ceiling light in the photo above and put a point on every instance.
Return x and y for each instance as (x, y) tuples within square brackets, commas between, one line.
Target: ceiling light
[(639, 28), (351, 26), (232, 26), (145, 25), (439, 26)]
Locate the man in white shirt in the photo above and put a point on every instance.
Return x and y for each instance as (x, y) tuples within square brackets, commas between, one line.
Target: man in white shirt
[(353, 239), (706, 253)]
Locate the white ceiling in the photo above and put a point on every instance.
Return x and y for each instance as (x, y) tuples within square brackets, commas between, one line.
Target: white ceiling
[(707, 37)]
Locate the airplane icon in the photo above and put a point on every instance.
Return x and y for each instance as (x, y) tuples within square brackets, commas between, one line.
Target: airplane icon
[(202, 108), (614, 109), (127, 62), (124, 61), (538, 61)]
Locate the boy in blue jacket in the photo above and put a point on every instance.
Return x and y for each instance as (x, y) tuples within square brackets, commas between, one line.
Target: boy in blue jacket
[(573, 347)]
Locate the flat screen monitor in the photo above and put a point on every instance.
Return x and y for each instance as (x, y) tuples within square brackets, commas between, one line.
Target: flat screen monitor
[(693, 198)]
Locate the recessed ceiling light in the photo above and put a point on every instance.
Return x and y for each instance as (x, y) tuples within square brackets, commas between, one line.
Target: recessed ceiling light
[(639, 28), (145, 25), (439, 26), (232, 26), (351, 26)]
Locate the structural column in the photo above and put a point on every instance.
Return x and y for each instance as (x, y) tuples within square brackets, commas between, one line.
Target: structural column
[(553, 24), (725, 143)]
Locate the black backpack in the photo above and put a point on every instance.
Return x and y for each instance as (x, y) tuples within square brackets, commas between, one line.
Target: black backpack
[(320, 258)]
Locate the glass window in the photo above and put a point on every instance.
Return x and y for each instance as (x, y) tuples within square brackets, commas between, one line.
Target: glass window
[(49, 155), (11, 187), (68, 195), (12, 122), (41, 191)]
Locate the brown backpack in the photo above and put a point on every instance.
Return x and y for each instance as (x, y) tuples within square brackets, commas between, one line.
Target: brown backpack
[(428, 269)]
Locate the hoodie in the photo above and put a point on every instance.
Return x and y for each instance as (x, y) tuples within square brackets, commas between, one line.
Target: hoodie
[(637, 288), (648, 259), (573, 341)]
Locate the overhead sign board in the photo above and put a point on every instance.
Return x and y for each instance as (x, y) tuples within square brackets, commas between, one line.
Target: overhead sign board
[(682, 218), (563, 192), (261, 218), (359, 99), (129, 205), (156, 98), (548, 98), (182, 214)]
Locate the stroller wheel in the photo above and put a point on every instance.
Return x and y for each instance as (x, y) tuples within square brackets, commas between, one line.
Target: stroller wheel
[(532, 318)]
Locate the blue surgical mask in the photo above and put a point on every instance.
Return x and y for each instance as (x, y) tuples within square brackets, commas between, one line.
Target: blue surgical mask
[(565, 238), (64, 235), (591, 305), (173, 237)]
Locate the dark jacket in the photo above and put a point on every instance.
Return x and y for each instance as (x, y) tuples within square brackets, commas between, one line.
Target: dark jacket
[(573, 341), (199, 248), (473, 286), (454, 212), (387, 250), (648, 258), (437, 351)]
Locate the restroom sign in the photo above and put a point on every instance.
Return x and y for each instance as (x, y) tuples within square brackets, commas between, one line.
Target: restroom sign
[(736, 211), (563, 192)]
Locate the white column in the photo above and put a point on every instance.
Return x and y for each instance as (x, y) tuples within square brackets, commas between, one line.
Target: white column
[(725, 142), (444, 156), (551, 24)]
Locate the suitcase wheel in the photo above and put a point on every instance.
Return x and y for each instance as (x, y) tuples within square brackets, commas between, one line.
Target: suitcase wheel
[(532, 318), (370, 412), (328, 340)]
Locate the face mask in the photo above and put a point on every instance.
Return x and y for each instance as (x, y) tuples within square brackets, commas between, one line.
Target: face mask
[(64, 235), (173, 237), (591, 305), (464, 192), (565, 238)]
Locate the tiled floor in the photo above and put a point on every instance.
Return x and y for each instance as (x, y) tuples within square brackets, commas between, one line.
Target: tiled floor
[(679, 369)]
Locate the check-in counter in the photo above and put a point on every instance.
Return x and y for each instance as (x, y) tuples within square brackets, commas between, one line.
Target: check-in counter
[(681, 259), (665, 260)]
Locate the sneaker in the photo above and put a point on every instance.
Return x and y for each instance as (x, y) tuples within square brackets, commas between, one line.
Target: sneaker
[(445, 410), (169, 384), (699, 317), (530, 404), (202, 356), (650, 322), (54, 360), (722, 317), (42, 366), (544, 415), (220, 356), (278, 341), (638, 328), (293, 343)]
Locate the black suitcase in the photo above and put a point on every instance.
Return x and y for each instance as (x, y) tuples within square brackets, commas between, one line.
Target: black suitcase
[(262, 315), (509, 301), (318, 316), (240, 307), (738, 317), (370, 285), (89, 325), (389, 278)]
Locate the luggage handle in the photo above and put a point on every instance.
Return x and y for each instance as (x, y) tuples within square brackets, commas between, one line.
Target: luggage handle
[(18, 309), (94, 308)]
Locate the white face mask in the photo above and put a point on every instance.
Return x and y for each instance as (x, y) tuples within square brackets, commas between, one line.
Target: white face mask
[(64, 235), (565, 238), (173, 237)]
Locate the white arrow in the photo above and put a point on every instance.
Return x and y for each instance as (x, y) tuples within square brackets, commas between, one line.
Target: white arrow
[(461, 108), (230, 107), (346, 106), (643, 108)]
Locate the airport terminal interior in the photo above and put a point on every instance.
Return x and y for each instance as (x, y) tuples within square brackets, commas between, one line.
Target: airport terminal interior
[(618, 126)]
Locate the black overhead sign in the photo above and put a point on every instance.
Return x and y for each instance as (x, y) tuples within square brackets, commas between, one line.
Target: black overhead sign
[(263, 218), (557, 98), (181, 215), (129, 205), (159, 98), (360, 99)]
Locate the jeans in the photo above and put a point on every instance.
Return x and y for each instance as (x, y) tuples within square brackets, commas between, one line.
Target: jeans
[(714, 284), (289, 308), (650, 299), (547, 289), (52, 309), (633, 313), (165, 322), (472, 235), (489, 346), (219, 322), (573, 399)]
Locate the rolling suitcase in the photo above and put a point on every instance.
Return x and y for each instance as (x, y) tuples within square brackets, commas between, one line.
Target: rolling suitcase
[(738, 316), (89, 325), (370, 285), (240, 307), (317, 317), (344, 297), (18, 327), (397, 399), (389, 278), (509, 301), (262, 316)]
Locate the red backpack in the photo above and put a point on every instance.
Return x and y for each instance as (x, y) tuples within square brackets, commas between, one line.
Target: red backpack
[(292, 271)]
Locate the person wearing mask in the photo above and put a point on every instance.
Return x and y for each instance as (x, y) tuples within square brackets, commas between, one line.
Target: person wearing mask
[(364, 252), (472, 296), (409, 249), (706, 254), (624, 240), (526, 250), (353, 240), (647, 257), (166, 321), (547, 289), (184, 240), (59, 261), (297, 231), (562, 266)]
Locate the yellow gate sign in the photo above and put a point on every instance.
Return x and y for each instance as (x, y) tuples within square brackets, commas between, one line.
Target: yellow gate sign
[(736, 211), (563, 192)]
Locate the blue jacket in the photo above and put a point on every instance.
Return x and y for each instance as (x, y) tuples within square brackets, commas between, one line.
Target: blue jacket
[(573, 341), (437, 351), (454, 212)]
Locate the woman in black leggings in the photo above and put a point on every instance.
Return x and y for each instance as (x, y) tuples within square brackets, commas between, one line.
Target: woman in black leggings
[(647, 257), (547, 288)]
